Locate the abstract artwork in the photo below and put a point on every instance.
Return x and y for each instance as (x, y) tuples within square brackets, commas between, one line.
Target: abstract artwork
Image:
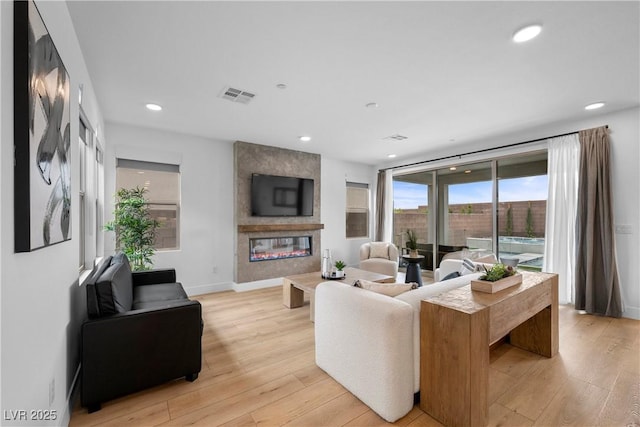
[(42, 194)]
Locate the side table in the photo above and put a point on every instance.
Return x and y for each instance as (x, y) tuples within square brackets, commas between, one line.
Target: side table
[(413, 269)]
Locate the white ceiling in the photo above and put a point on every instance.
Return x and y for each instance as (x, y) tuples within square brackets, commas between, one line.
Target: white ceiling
[(440, 71)]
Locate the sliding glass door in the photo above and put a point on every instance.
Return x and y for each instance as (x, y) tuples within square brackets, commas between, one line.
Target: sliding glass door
[(522, 207), (496, 206), (413, 202), (465, 206)]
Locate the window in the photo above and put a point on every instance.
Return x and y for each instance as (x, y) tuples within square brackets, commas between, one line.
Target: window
[(357, 210), (162, 182), (99, 204), (90, 195), (82, 150)]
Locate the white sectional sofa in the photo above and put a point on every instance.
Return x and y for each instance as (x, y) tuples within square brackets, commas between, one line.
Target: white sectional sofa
[(370, 343)]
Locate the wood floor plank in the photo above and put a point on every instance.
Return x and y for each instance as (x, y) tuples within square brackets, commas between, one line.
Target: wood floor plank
[(499, 384), (425, 420), (577, 404), (504, 417), (297, 404), (310, 375), (152, 415), (371, 419), (534, 391), (222, 390), (622, 407), (237, 405), (515, 362), (336, 412)]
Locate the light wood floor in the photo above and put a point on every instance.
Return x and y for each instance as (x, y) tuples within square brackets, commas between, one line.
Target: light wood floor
[(258, 369)]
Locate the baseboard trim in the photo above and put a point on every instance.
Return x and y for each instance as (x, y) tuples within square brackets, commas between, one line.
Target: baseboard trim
[(631, 313), (209, 288), (258, 284), (232, 286)]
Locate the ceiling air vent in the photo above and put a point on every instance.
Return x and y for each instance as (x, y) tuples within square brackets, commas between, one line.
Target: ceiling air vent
[(396, 137), (237, 95)]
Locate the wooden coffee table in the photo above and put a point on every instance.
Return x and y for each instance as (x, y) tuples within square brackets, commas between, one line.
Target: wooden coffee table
[(294, 287)]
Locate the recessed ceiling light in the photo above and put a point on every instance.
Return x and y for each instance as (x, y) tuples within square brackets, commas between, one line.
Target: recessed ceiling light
[(391, 156), (154, 107), (467, 171), (527, 33), (452, 168), (372, 105), (281, 86), (594, 106), (305, 138)]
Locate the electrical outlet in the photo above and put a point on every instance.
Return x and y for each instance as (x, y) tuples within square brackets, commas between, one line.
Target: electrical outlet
[(52, 391)]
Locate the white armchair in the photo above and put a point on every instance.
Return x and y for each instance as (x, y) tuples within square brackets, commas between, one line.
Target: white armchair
[(379, 257)]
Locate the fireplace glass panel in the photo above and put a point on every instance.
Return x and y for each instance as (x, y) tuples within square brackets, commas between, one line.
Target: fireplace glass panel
[(266, 249)]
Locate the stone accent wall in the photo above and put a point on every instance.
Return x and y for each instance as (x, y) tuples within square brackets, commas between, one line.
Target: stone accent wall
[(253, 158)]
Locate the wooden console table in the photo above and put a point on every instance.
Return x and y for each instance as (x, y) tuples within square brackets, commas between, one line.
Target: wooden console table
[(458, 327)]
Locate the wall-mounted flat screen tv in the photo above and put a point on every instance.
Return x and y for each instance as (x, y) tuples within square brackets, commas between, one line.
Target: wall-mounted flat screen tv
[(281, 196)]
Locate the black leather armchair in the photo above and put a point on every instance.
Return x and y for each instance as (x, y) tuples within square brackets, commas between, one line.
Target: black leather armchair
[(142, 331)]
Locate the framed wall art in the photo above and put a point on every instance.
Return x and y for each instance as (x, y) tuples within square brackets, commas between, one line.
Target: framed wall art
[(42, 128)]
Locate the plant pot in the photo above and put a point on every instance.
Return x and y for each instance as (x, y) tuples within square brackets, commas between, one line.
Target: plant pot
[(339, 273), (413, 253), (497, 286)]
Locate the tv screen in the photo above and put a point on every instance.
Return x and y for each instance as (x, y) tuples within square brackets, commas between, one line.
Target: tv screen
[(281, 196)]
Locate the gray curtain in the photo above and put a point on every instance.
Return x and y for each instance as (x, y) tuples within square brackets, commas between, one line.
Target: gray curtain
[(597, 283), (380, 202)]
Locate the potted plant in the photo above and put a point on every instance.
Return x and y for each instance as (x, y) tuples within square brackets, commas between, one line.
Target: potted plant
[(134, 227), (496, 278), (412, 243), (340, 265)]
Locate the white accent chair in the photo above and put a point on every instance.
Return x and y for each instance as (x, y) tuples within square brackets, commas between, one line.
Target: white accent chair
[(379, 257)]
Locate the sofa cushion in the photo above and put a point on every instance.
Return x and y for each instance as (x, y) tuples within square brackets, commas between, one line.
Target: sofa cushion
[(158, 292), (451, 275), (114, 289), (160, 304), (93, 309), (379, 250), (467, 267), (389, 289), (120, 258)]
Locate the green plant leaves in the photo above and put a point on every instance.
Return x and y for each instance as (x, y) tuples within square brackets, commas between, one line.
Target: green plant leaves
[(497, 272), (135, 229)]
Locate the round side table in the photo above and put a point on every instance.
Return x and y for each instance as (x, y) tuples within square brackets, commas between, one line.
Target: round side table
[(413, 269)]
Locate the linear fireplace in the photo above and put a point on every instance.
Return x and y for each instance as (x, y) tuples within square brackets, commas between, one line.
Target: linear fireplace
[(266, 249)]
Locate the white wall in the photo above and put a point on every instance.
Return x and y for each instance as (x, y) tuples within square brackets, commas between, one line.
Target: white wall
[(41, 302), (625, 142), (204, 262), (335, 174)]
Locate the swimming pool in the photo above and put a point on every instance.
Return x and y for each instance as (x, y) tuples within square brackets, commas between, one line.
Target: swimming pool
[(529, 250)]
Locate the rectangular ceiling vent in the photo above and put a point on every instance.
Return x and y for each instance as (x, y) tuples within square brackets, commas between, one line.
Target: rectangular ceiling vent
[(396, 137), (237, 95)]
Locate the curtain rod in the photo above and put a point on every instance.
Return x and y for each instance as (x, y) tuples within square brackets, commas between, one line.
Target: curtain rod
[(453, 156)]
